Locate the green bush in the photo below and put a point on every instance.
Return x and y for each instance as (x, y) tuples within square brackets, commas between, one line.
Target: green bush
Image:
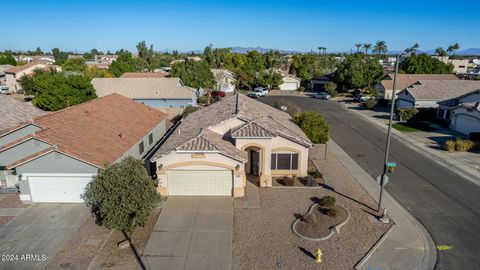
[(331, 89), (332, 212), (122, 196), (449, 146), (370, 103), (406, 114), (313, 125), (301, 89), (202, 100), (310, 181), (328, 202), (316, 174), (188, 110)]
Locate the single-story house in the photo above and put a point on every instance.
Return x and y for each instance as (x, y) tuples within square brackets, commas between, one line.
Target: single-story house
[(144, 75), (2, 73), (216, 150), (462, 112), (289, 82), (14, 112), (385, 86), (15, 73), (153, 92), (460, 66), (53, 157), (427, 93), (318, 84), (224, 80)]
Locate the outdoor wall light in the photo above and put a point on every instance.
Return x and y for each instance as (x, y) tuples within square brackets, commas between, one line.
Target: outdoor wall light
[(237, 167), (160, 166)]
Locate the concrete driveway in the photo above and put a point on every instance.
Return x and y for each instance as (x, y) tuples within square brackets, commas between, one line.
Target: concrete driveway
[(192, 233), (35, 236)]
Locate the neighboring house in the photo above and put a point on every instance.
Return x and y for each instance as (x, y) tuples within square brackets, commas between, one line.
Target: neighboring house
[(154, 92), (289, 83), (216, 150), (385, 86), (224, 80), (53, 157), (2, 73), (106, 58), (318, 84), (13, 112), (15, 73), (144, 75), (427, 93), (460, 66), (462, 112), (192, 58)]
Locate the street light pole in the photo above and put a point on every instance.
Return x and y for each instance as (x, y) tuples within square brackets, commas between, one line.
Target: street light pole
[(384, 217)]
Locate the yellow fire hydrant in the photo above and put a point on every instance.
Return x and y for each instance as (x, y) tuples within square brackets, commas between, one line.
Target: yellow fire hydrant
[(318, 255)]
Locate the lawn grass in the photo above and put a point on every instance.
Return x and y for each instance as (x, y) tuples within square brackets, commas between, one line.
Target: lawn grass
[(413, 127)]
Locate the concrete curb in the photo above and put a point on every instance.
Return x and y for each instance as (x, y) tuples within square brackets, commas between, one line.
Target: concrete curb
[(406, 226), (333, 229), (374, 248), (432, 154)]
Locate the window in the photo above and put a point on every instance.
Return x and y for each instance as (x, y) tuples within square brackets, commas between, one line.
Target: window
[(448, 115), (285, 161), (141, 148), (150, 138)]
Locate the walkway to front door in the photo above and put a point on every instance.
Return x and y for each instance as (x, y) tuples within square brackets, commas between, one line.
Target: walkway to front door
[(192, 233)]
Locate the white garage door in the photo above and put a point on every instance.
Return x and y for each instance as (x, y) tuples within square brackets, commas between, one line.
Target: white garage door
[(465, 124), (58, 188), (199, 183), (289, 86)]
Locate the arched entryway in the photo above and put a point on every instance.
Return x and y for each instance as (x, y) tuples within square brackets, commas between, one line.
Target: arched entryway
[(254, 167)]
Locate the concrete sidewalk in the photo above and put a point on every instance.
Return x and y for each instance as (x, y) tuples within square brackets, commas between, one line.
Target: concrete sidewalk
[(408, 245), (463, 165)]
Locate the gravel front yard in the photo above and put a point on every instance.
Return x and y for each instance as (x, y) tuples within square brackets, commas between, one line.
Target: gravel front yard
[(12, 201), (263, 239)]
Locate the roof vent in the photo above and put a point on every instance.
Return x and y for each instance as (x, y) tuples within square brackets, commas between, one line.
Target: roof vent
[(120, 135)]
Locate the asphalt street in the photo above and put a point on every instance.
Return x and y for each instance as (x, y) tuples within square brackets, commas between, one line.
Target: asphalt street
[(447, 204)]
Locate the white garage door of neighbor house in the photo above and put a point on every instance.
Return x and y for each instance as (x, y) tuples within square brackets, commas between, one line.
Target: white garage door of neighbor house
[(465, 125), (290, 86), (58, 189), (199, 183)]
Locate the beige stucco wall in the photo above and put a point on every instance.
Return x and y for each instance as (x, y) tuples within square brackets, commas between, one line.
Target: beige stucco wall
[(11, 79)]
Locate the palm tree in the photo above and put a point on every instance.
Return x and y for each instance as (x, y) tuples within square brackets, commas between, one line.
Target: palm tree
[(440, 51), (324, 50), (358, 45), (453, 48), (380, 47), (413, 49), (367, 47), (320, 50)]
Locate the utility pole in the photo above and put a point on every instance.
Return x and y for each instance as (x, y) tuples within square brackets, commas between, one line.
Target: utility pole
[(384, 177)]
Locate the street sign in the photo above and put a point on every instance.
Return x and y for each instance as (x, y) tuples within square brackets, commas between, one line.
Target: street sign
[(385, 179), (391, 164)]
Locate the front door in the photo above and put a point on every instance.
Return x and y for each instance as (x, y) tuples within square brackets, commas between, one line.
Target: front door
[(254, 162)]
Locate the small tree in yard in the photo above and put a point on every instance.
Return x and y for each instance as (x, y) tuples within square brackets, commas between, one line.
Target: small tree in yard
[(331, 89), (313, 125), (406, 114), (122, 196)]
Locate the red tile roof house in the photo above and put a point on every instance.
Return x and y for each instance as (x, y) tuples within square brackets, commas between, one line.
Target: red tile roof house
[(15, 73), (54, 156)]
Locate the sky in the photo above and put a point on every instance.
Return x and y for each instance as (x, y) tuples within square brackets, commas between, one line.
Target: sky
[(301, 25)]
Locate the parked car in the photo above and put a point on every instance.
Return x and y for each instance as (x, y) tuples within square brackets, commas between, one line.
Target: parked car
[(322, 95), (259, 92), (362, 98), (217, 94), (4, 90)]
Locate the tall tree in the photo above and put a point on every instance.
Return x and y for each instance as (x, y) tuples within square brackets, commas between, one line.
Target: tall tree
[(8, 59), (367, 47), (59, 56), (440, 51), (194, 74), (452, 48), (380, 47), (358, 71), (38, 51), (76, 65), (358, 46), (424, 64)]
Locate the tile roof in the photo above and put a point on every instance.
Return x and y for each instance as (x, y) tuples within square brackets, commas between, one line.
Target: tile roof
[(261, 119), (251, 129), (405, 80), (13, 112), (452, 102), (99, 131), (441, 89), (148, 88), (3, 68), (144, 75), (17, 69)]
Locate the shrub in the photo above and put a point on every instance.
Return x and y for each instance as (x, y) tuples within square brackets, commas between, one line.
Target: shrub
[(449, 146), (474, 136), (370, 103), (332, 212), (188, 110), (122, 196), (327, 202), (301, 89), (464, 145), (288, 181), (202, 100), (331, 89), (313, 125), (406, 114), (310, 181), (309, 218), (316, 174)]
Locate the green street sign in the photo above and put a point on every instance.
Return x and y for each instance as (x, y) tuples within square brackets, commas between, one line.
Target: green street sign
[(391, 164)]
